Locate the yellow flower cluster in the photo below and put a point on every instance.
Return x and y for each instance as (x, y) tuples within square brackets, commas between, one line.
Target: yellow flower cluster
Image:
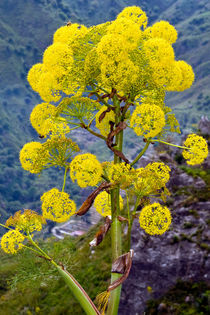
[(86, 169), (32, 158), (43, 120), (69, 34), (198, 149), (28, 221), (102, 204), (57, 206), (120, 173), (134, 14), (151, 179), (147, 120), (155, 219), (104, 125), (12, 241), (162, 29)]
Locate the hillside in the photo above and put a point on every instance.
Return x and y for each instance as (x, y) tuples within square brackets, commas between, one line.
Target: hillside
[(27, 27)]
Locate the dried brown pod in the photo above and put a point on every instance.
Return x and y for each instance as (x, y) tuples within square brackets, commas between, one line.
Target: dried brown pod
[(90, 199), (101, 233)]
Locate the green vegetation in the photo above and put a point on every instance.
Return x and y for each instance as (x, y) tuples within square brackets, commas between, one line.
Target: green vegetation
[(185, 298), (29, 285)]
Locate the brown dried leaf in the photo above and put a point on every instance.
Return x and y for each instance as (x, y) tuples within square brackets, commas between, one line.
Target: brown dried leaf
[(121, 265), (101, 233), (90, 199)]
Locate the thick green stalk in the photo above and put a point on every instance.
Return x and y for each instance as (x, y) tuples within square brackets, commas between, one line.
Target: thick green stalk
[(116, 225)]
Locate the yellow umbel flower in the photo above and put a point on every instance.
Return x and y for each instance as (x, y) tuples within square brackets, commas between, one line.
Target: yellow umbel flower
[(198, 149), (31, 157), (42, 119), (160, 170), (120, 173), (28, 221), (34, 75), (158, 51), (49, 87), (104, 125), (128, 29), (86, 169), (58, 59), (57, 206), (102, 203), (187, 76), (155, 219), (69, 34), (12, 241), (162, 29), (135, 14), (147, 120)]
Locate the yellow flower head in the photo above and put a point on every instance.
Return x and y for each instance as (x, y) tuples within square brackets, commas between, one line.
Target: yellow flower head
[(42, 119), (49, 87), (102, 203), (34, 75), (69, 34), (187, 76), (128, 29), (12, 241), (57, 206), (147, 120), (159, 170), (27, 221), (164, 30), (155, 219), (135, 14), (198, 149), (158, 51), (104, 125), (120, 173), (31, 157), (58, 59), (86, 169)]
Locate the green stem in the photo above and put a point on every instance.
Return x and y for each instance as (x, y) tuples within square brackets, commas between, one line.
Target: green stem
[(95, 133), (116, 224), (173, 145), (141, 153), (6, 227), (129, 224), (64, 179)]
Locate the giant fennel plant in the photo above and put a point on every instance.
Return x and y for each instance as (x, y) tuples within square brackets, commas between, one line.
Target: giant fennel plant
[(104, 79)]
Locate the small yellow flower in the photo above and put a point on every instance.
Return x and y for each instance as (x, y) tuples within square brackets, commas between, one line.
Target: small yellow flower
[(57, 206), (102, 203), (31, 158), (155, 219), (135, 14), (27, 221), (43, 120), (160, 170), (12, 241), (164, 30), (147, 120), (198, 149), (86, 169)]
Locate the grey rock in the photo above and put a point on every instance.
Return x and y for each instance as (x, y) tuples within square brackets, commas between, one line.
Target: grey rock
[(204, 126)]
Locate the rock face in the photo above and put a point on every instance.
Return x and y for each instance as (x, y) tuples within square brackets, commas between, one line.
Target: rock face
[(159, 261), (204, 126)]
